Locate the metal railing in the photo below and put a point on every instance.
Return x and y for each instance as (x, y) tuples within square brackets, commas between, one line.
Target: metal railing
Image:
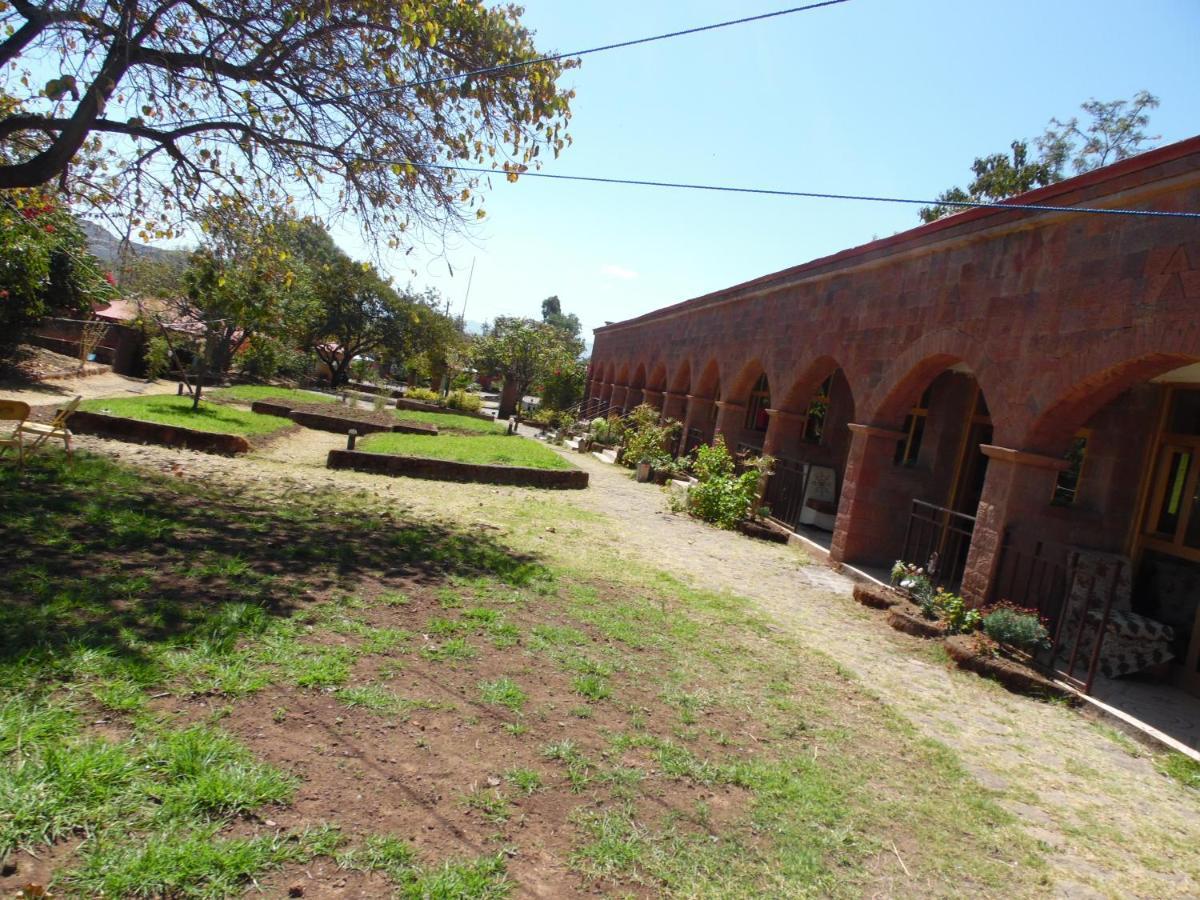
[(938, 539), (1041, 576), (785, 491)]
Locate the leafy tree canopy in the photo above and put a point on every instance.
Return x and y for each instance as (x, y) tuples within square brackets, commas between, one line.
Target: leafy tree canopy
[(44, 265), (159, 106), (525, 351), (1115, 130), (552, 314)]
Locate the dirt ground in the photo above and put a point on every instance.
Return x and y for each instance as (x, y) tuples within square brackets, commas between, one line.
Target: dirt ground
[(1109, 822)]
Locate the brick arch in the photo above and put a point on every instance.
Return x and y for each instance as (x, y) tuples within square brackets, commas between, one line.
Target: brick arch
[(708, 385), (639, 376), (740, 387), (682, 382), (804, 385), (657, 380), (622, 377), (1051, 431), (921, 362)]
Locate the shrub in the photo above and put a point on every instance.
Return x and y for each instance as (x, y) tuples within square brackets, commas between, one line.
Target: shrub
[(606, 431), (261, 358), (723, 497), (647, 440), (463, 401), (158, 357), (954, 613), (1016, 627), (425, 395)]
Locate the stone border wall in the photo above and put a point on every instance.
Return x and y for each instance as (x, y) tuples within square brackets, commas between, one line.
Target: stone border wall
[(139, 432), (449, 470)]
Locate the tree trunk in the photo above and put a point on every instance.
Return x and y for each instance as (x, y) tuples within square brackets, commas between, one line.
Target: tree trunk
[(510, 399)]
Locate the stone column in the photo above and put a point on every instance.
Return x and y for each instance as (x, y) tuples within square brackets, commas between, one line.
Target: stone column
[(674, 405), (866, 507), (730, 418), (653, 398), (633, 398), (617, 400), (1017, 488), (779, 422), (696, 416)]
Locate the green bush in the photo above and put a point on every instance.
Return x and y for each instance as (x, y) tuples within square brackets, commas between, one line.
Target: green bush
[(158, 357), (260, 358), (463, 401), (935, 603), (646, 439), (425, 395), (606, 431), (721, 496), (1016, 627), (954, 613)]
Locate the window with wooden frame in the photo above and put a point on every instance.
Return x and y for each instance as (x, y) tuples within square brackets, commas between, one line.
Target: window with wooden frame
[(759, 403), (1066, 486), (908, 448), (818, 409)]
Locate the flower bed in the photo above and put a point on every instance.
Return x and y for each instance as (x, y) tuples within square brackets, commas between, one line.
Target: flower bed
[(142, 432), (984, 657)]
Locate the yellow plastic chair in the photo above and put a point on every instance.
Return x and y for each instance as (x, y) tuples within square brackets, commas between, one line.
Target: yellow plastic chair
[(57, 428), (18, 412)]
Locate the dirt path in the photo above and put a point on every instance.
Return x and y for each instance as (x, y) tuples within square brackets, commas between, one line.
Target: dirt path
[(1111, 824), (107, 384)]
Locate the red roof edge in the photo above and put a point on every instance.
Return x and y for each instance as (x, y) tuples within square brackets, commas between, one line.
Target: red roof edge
[(1146, 160)]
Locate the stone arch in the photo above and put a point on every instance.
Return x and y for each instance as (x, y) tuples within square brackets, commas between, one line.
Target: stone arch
[(708, 385), (681, 383), (745, 380), (639, 376), (657, 380), (1100, 371), (799, 394)]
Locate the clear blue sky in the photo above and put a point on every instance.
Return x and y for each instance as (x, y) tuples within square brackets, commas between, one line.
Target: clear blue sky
[(873, 96)]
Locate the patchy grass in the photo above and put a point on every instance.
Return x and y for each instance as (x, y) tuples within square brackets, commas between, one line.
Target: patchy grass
[(177, 411), (451, 421), (248, 393), (1182, 768), (491, 450), (174, 688)]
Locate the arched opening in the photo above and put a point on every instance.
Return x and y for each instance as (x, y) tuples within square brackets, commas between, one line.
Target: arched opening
[(810, 442), (742, 416), (675, 399), (1126, 495), (606, 388), (701, 419), (636, 386), (924, 475)]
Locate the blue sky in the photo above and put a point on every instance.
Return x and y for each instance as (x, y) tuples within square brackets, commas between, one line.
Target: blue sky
[(872, 96)]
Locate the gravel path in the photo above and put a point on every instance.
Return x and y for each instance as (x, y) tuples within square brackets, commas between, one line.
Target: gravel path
[(1111, 824), (106, 385)]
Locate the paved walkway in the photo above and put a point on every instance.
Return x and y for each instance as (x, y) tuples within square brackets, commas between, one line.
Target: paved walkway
[(1111, 824)]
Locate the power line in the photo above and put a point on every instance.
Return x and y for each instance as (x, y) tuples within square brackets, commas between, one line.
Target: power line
[(814, 195), (555, 57)]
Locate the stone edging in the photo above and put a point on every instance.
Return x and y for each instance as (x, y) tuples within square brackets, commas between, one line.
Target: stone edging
[(1016, 677), (449, 470), (137, 431), (338, 424), (876, 597)]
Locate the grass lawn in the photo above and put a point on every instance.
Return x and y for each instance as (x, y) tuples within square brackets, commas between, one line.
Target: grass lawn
[(490, 449), (452, 421), (248, 393), (222, 689), (170, 410)]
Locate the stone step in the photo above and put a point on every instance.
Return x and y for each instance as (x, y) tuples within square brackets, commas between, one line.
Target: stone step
[(606, 456), (571, 443)]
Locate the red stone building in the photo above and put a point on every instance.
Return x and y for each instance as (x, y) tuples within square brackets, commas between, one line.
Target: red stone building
[(997, 387)]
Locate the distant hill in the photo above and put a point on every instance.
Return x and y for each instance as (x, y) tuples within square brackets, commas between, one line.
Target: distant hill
[(106, 247)]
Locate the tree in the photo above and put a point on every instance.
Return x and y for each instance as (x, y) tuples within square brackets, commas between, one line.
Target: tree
[(160, 105), (239, 285), (1114, 133), (552, 314), (523, 351), (44, 266)]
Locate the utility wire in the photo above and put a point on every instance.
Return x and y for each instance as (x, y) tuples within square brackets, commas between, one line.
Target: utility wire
[(555, 57), (967, 204)]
